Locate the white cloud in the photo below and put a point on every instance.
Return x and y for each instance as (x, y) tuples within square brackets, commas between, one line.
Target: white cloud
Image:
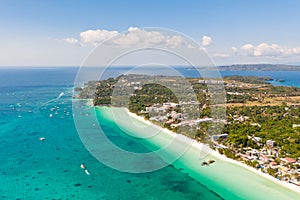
[(261, 53), (296, 50), (134, 36), (138, 37), (96, 36), (234, 49), (247, 47), (221, 55), (268, 50), (175, 41), (265, 49), (206, 40), (131, 29), (71, 40)]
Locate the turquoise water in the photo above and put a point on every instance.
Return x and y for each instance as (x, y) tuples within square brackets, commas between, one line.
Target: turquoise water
[(50, 169)]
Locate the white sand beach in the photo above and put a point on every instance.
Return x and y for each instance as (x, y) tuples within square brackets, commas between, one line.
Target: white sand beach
[(217, 155), (226, 177)]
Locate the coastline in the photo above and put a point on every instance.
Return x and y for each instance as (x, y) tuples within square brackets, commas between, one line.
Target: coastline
[(217, 155)]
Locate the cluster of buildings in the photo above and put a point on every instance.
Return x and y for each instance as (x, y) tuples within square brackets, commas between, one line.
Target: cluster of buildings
[(135, 84), (266, 157), (211, 81), (163, 112), (168, 113), (285, 169)]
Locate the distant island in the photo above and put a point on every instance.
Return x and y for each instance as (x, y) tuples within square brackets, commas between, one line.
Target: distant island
[(260, 67), (257, 67)]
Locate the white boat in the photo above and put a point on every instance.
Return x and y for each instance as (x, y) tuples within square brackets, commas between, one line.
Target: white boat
[(87, 172), (82, 166)]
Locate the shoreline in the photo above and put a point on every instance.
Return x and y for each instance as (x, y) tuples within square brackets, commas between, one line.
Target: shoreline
[(217, 155)]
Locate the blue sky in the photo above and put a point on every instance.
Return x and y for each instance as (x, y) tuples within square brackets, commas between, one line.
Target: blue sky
[(33, 32)]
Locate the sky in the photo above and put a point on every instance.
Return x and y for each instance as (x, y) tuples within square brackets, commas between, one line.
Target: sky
[(63, 33)]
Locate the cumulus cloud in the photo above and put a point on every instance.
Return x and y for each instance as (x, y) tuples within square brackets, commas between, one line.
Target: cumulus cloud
[(140, 36), (265, 49), (134, 36), (71, 40), (295, 50), (268, 50), (248, 49), (234, 49), (175, 41), (96, 36), (206, 40), (221, 55)]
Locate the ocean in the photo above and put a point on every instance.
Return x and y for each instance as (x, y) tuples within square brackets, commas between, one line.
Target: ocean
[(32, 108)]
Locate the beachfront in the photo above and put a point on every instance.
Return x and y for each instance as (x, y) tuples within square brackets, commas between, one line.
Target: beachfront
[(220, 175), (216, 154)]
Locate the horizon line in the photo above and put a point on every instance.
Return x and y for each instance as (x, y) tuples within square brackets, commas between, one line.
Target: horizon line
[(126, 65)]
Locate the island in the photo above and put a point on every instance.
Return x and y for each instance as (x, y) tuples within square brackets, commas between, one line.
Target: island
[(254, 67), (261, 127)]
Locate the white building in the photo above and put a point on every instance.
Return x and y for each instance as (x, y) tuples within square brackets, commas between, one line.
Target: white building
[(270, 143)]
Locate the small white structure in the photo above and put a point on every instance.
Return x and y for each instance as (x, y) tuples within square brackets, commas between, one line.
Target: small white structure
[(270, 143), (296, 125), (256, 124)]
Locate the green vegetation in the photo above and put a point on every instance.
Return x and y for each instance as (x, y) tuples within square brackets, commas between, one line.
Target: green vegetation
[(249, 79), (150, 94), (269, 123), (260, 118), (271, 171)]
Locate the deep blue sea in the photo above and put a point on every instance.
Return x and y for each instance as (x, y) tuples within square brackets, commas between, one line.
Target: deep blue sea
[(50, 169)]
